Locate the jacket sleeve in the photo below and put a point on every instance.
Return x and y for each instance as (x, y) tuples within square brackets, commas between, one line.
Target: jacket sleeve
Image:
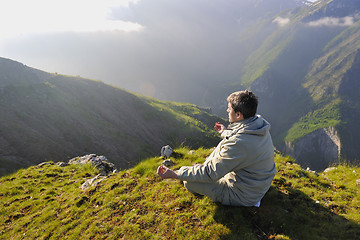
[(230, 155)]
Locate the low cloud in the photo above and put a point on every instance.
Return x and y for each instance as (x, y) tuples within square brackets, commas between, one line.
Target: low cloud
[(332, 22), (281, 21)]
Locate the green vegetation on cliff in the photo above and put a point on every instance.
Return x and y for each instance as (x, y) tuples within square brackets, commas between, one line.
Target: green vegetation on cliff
[(328, 116), (46, 202)]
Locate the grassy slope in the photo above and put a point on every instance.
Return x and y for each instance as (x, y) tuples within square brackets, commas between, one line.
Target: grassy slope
[(192, 118), (62, 117), (47, 203)]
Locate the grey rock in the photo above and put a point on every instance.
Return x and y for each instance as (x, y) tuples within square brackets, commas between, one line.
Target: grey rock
[(311, 171), (168, 163), (329, 169), (62, 164), (100, 162), (44, 164), (166, 151), (92, 181), (323, 145), (357, 182)]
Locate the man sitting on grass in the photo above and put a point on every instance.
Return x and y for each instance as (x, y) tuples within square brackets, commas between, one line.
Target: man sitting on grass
[(241, 168)]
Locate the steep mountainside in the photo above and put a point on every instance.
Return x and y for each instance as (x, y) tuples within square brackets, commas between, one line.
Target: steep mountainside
[(51, 117), (306, 74)]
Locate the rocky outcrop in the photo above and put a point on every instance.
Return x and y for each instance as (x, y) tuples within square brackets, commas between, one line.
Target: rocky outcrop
[(166, 151), (317, 150), (100, 162)]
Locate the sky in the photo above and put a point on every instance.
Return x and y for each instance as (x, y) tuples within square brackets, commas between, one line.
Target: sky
[(21, 17), (154, 47)]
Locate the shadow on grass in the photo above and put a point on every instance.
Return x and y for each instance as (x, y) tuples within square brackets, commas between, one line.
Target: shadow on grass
[(290, 215)]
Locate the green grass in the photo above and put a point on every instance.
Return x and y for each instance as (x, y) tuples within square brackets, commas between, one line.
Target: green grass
[(324, 117), (185, 112), (47, 203), (193, 124)]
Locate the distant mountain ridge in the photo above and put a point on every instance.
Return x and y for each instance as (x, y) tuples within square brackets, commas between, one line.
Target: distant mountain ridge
[(306, 74), (51, 117)]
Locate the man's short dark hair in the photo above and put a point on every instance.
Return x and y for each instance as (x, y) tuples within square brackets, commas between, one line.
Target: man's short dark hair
[(245, 102)]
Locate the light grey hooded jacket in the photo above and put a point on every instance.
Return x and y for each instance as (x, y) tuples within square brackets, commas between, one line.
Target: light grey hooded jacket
[(241, 166)]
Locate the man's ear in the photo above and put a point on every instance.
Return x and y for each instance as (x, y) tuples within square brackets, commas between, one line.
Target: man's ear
[(239, 116)]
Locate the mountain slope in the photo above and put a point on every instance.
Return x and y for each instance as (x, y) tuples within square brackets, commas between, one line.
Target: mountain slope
[(52, 117), (306, 76), (46, 202)]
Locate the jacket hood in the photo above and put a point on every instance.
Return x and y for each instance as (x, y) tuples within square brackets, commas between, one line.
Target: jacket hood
[(256, 125)]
